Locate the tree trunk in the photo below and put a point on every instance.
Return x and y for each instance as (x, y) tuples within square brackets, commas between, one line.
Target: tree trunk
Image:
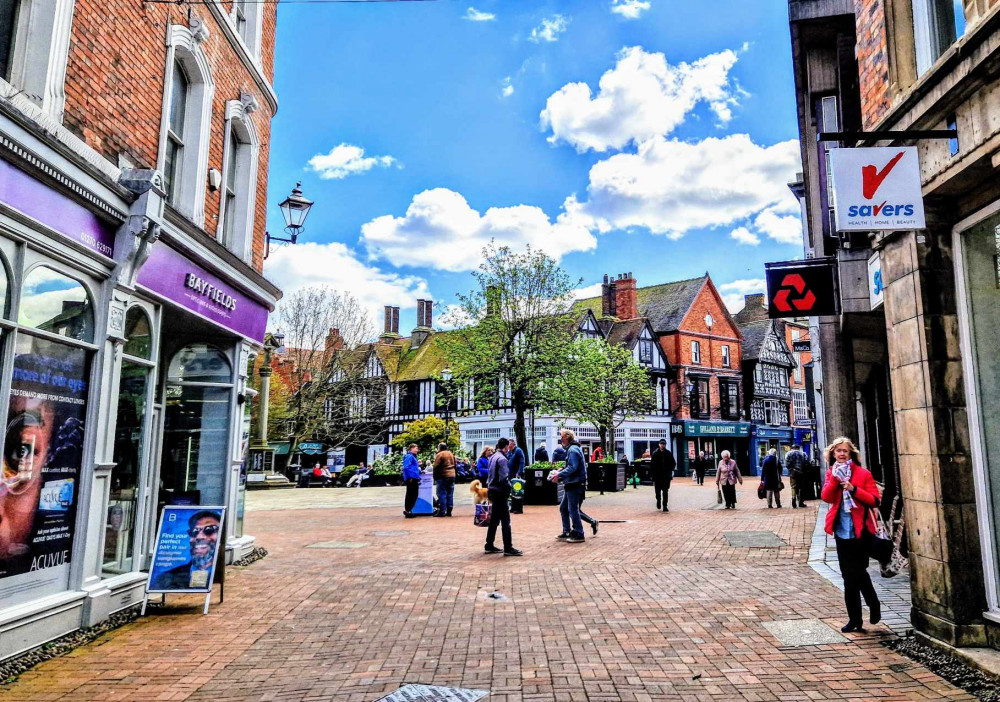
[(602, 432), (520, 434)]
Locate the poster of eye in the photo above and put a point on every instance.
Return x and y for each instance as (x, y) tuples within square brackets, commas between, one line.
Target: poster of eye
[(187, 544)]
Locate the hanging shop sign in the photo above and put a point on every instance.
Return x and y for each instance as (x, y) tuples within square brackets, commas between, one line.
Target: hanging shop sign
[(877, 189), (876, 286), (801, 288), (42, 458), (52, 208), (174, 276)]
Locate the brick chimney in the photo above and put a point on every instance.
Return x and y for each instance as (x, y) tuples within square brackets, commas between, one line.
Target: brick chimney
[(391, 329), (608, 301), (334, 341), (424, 320), (754, 301), (626, 297)]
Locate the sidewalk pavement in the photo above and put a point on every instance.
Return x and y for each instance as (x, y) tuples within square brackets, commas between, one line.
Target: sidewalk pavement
[(353, 603)]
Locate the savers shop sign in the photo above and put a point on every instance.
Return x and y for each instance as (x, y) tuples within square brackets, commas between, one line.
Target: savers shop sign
[(877, 189)]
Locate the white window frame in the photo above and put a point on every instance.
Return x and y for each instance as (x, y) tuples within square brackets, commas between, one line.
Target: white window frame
[(253, 17), (696, 352), (934, 31), (41, 52), (726, 357), (239, 120), (184, 45)]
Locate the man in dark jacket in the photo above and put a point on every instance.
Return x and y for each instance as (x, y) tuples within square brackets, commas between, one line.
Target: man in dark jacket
[(498, 490), (574, 480), (797, 465), (541, 454), (558, 454), (661, 469), (700, 466), (411, 478)]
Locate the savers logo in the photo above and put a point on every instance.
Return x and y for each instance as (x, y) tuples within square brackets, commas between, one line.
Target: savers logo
[(871, 180), (877, 188)]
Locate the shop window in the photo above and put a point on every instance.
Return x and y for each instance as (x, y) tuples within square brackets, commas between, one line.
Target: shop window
[(56, 303), (195, 457), (138, 334)]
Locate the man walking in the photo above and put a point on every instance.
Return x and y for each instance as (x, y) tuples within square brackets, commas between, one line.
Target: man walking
[(498, 490), (574, 480), (515, 464), (700, 467), (661, 468), (411, 478), (797, 466), (444, 479)]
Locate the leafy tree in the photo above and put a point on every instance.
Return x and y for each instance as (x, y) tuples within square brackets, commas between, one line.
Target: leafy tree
[(335, 399), (427, 433), (521, 327), (602, 386)]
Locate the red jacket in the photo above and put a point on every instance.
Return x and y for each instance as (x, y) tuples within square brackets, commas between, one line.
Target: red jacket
[(865, 495)]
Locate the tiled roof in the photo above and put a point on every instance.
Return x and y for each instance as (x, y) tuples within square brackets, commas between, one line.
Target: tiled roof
[(626, 333), (750, 313), (664, 305), (754, 334)]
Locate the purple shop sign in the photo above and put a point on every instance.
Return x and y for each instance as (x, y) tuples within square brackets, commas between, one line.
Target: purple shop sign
[(171, 275), (53, 209)]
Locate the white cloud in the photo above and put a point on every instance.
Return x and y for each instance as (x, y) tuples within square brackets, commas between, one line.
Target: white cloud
[(335, 265), (474, 15), (346, 160), (629, 9), (550, 29), (785, 229), (745, 236), (588, 291), (641, 98), (672, 187), (440, 230), (508, 88), (454, 316), (732, 293)]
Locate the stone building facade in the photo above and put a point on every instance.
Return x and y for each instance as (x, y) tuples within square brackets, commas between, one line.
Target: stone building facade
[(133, 174), (920, 64)]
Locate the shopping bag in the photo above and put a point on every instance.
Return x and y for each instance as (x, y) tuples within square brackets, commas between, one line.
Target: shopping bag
[(483, 512), (761, 490), (880, 544), (718, 497), (897, 561)]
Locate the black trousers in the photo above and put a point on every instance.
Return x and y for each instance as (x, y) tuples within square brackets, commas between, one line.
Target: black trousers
[(729, 494), (412, 490), (853, 557), (499, 514), (661, 487)]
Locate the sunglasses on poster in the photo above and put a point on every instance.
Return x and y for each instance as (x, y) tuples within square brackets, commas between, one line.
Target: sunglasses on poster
[(210, 530)]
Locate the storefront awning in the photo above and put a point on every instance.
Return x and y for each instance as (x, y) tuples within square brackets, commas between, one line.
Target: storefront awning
[(312, 448), (280, 447)]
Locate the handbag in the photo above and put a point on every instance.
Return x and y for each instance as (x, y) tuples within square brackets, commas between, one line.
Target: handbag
[(880, 545), (897, 561), (761, 490), (483, 513), (718, 497)]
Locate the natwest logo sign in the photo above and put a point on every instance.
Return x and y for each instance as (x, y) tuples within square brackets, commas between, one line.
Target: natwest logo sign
[(877, 189), (801, 288)]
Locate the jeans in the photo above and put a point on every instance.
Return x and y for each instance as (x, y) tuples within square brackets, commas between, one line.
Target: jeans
[(499, 514), (412, 491), (569, 509), (662, 487), (446, 495), (853, 557)]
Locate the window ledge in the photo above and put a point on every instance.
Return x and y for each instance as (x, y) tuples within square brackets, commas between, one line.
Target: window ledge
[(246, 56)]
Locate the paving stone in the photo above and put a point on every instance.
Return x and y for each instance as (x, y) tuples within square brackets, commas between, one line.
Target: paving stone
[(339, 544), (431, 693), (753, 539), (804, 632)]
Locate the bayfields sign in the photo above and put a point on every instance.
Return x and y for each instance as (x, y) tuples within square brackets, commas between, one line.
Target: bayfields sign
[(877, 189), (801, 289)]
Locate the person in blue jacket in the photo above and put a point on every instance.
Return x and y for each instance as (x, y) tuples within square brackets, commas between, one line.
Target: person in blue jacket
[(483, 465), (411, 478), (574, 480), (515, 460)]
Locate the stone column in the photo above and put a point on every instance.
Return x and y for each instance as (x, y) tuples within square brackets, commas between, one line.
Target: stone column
[(840, 415), (933, 435)]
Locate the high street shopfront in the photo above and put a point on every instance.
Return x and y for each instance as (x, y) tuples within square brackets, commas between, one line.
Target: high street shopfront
[(692, 437), (125, 339)]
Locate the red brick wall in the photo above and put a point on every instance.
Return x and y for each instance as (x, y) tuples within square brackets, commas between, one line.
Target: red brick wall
[(677, 347), (873, 60), (114, 88)]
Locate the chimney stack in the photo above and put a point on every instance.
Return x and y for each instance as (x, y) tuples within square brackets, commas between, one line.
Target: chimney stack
[(755, 300), (334, 341), (608, 301), (626, 297), (391, 322), (424, 321)]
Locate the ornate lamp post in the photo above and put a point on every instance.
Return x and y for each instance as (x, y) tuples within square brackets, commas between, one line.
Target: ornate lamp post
[(446, 376), (294, 209)]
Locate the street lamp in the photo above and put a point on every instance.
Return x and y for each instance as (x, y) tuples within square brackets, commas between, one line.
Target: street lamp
[(294, 209), (446, 377)]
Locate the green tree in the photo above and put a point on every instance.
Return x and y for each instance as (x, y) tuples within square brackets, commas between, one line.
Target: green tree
[(602, 386), (426, 433), (519, 328)]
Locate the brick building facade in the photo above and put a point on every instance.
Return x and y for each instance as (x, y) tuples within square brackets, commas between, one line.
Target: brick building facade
[(133, 178), (912, 375)]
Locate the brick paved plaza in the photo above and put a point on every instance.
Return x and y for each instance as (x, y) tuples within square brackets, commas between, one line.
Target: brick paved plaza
[(658, 607)]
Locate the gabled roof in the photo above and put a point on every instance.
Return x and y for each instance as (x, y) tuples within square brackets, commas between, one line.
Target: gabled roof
[(755, 336), (626, 333), (664, 305)]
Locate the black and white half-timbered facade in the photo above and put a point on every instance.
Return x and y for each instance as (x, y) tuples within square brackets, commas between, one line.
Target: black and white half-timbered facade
[(767, 365)]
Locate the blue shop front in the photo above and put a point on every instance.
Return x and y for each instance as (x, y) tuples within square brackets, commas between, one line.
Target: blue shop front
[(764, 438)]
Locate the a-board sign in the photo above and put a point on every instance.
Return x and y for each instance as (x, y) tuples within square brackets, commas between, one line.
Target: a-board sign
[(187, 544)]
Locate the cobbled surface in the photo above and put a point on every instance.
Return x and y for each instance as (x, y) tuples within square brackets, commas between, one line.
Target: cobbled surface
[(658, 607)]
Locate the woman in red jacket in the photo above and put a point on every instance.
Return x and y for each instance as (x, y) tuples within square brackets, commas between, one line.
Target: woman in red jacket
[(851, 492)]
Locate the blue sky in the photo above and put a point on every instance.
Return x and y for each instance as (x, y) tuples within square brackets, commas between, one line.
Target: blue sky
[(442, 111)]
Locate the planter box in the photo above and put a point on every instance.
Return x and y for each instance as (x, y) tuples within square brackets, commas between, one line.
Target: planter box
[(538, 489), (606, 477)]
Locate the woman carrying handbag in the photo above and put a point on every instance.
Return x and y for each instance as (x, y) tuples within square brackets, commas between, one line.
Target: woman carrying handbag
[(726, 477), (851, 492)]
